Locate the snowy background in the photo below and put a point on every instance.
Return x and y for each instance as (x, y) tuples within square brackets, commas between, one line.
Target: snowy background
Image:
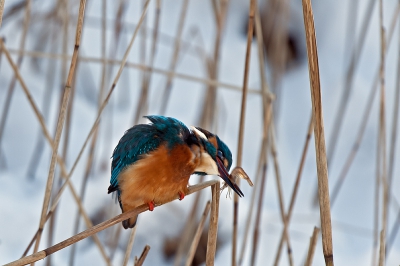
[(21, 194)]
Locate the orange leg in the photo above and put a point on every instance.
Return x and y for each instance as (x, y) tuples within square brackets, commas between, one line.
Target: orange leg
[(151, 205), (181, 195)]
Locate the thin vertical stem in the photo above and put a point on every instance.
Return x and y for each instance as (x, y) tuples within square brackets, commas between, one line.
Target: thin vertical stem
[(63, 8), (267, 101), (393, 138), (320, 149), (311, 248), (382, 248), (207, 118), (187, 229), (241, 124), (172, 66), (295, 187), (1, 10), (382, 139), (143, 99), (213, 226), (257, 220), (280, 195), (393, 141), (196, 238), (129, 246), (142, 257)]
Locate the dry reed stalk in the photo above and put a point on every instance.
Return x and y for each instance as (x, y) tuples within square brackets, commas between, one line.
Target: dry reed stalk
[(261, 177), (85, 179), (129, 246), (376, 207), (215, 9), (393, 233), (50, 178), (349, 40), (295, 187), (207, 118), (257, 219), (196, 238), (60, 124), (213, 224), (252, 200), (65, 145), (1, 54), (278, 16), (177, 46), (142, 104), (366, 114), (382, 249), (143, 99), (143, 256), (322, 168), (267, 101), (241, 125), (86, 219), (63, 8), (103, 49), (280, 195), (1, 10), (393, 141), (93, 143), (108, 116), (393, 138), (261, 163), (101, 226), (188, 229), (382, 138), (10, 91), (311, 248), (137, 66)]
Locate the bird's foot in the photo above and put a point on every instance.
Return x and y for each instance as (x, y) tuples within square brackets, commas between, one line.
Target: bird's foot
[(151, 205), (181, 195)]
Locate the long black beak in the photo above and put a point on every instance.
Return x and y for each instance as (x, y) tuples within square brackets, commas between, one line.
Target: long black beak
[(225, 176)]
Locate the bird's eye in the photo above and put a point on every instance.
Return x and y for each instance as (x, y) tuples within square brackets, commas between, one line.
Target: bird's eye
[(220, 155)]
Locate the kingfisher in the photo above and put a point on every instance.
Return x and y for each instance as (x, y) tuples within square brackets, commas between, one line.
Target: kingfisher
[(152, 163)]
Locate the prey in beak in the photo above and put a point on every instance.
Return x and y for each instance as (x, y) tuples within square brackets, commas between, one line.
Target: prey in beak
[(223, 173)]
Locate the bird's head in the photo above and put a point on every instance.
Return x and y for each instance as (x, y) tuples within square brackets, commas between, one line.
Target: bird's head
[(220, 154)]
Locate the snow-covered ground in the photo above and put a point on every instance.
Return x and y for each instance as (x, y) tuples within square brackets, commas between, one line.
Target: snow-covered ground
[(21, 197)]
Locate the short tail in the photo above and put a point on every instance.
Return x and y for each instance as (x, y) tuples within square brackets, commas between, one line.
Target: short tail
[(130, 223)]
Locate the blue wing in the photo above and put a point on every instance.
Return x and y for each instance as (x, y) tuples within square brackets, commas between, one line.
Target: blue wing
[(142, 139)]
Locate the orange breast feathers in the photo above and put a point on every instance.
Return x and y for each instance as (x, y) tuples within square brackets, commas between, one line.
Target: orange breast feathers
[(159, 177)]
